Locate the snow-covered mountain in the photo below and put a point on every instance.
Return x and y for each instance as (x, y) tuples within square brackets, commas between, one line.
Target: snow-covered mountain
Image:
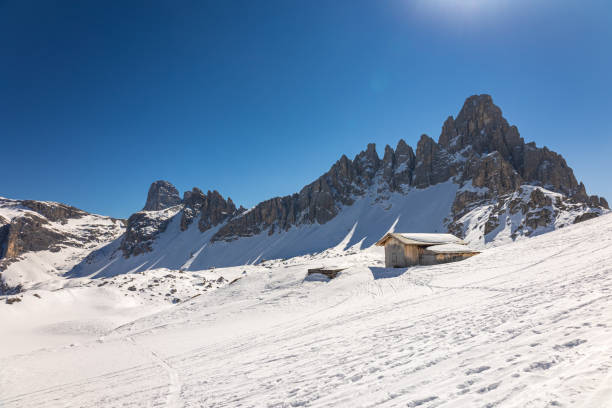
[(194, 301), (41, 240), (480, 181)]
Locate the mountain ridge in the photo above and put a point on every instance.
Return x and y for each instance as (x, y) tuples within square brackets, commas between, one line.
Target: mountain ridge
[(478, 145), (480, 181)]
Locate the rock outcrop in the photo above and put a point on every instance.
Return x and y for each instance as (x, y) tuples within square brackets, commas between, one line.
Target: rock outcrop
[(480, 129), (28, 227), (211, 207), (162, 195), (39, 226), (143, 227), (32, 233), (54, 212)]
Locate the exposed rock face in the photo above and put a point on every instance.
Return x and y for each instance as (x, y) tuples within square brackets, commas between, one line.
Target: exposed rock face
[(211, 207), (31, 233), (480, 129), (54, 212), (492, 172), (433, 165), (142, 228), (162, 195), (520, 213), (480, 126), (585, 217), (4, 232), (28, 227), (321, 200), (398, 165)]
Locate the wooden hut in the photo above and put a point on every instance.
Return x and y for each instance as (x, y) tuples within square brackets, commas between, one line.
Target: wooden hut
[(408, 249)]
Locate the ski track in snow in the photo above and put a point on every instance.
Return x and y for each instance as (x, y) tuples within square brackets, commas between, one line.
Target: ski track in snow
[(527, 324), (174, 388)]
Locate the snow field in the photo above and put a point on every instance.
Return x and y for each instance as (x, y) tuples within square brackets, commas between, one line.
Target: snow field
[(525, 324)]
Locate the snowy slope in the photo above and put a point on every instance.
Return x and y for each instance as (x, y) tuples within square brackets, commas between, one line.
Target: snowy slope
[(525, 324), (358, 225), (368, 219)]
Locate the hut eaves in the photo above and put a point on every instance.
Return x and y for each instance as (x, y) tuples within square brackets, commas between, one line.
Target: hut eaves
[(421, 239), (452, 249)]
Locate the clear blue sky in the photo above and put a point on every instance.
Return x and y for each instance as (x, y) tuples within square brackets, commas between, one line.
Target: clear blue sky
[(258, 98)]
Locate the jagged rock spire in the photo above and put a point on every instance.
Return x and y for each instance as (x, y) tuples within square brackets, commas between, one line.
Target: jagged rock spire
[(162, 194), (480, 128)]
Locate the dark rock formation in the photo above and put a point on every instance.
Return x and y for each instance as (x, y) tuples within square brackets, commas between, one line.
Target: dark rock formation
[(162, 195), (432, 163), (142, 228), (4, 232), (211, 207), (31, 233), (54, 212), (586, 216), (481, 129), (40, 227), (494, 173)]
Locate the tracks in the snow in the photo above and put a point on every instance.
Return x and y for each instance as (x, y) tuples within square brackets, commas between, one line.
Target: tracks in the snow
[(173, 398)]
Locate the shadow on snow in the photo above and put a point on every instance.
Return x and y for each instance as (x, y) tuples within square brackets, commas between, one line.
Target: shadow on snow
[(385, 273)]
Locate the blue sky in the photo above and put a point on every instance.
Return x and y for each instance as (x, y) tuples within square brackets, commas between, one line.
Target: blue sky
[(257, 99)]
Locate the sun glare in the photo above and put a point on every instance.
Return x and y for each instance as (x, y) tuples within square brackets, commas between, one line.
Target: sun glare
[(461, 10)]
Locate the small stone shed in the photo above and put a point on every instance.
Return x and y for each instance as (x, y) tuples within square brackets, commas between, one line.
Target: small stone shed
[(408, 249)]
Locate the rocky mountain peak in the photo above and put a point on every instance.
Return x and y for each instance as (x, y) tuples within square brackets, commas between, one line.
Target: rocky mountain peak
[(162, 194), (478, 150), (211, 207), (480, 129), (481, 126), (367, 162)]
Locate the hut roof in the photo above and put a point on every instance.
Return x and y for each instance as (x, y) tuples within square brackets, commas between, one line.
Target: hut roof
[(452, 249), (422, 239)]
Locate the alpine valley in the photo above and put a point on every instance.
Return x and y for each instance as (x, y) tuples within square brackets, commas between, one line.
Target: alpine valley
[(480, 181), (197, 302)]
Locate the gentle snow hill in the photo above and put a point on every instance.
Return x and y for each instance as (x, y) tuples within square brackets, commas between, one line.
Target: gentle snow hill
[(525, 324)]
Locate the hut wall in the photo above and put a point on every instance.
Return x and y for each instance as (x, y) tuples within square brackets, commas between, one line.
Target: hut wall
[(394, 254), (412, 254), (432, 258)]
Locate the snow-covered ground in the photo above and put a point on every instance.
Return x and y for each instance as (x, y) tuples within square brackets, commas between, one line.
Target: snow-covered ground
[(527, 324)]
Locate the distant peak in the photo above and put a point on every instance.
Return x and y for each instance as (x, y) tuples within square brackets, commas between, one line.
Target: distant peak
[(477, 106), (162, 194), (482, 99)]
